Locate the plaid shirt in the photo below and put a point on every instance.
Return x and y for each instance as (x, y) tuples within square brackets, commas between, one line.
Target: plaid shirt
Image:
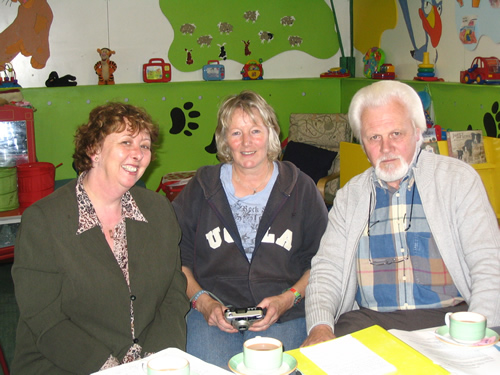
[(398, 234)]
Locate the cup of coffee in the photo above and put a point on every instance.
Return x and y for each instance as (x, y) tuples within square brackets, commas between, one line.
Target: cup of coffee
[(167, 365), (262, 354), (466, 327)]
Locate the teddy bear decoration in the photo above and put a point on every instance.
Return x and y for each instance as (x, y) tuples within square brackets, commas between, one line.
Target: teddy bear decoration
[(105, 68)]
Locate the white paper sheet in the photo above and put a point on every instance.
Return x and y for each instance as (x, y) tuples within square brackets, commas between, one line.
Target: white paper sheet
[(198, 367), (456, 359), (347, 355)]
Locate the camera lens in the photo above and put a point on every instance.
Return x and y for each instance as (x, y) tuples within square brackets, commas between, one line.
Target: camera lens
[(241, 325)]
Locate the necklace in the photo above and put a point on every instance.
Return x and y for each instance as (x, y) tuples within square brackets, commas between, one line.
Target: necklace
[(254, 189)]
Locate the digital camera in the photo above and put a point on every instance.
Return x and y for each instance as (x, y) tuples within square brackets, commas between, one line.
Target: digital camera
[(243, 318)]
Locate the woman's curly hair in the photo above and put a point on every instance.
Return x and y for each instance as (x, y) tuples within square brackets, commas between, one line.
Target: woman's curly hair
[(104, 120)]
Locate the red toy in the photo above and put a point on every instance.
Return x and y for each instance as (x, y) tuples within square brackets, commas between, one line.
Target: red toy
[(482, 70), (335, 73), (253, 70), (386, 71), (157, 70)]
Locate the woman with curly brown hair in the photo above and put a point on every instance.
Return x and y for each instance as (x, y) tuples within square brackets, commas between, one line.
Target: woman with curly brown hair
[(97, 268)]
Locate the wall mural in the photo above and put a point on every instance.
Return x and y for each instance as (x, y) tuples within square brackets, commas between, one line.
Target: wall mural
[(491, 121), (28, 34), (370, 20), (243, 31), (430, 27), (475, 18)]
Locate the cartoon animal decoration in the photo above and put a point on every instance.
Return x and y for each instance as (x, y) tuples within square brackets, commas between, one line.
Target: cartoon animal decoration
[(222, 53), (430, 15), (287, 20), (295, 40), (225, 28), (243, 23), (204, 40), (474, 20), (266, 36), (247, 49), (189, 56), (55, 81), (28, 34), (105, 67), (188, 28), (251, 15)]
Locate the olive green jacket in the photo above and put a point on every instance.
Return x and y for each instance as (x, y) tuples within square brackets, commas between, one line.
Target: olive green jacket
[(73, 299)]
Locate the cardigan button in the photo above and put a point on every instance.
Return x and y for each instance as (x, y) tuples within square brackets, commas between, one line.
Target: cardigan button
[(136, 340), (133, 298)]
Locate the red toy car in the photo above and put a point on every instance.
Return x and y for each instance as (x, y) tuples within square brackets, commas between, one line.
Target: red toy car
[(482, 70), (386, 71)]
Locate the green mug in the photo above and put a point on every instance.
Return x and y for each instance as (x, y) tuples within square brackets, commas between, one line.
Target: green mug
[(466, 327), (262, 354), (168, 365)]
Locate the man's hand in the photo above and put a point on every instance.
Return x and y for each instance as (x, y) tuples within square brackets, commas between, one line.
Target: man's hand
[(319, 334)]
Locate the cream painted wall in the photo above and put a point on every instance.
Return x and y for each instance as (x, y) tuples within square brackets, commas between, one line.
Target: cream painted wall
[(80, 27)]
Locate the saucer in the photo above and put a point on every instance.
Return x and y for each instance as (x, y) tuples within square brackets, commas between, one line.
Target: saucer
[(238, 367), (490, 338)]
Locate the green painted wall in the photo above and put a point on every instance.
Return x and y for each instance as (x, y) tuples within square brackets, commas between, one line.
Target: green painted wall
[(59, 111), (456, 105)]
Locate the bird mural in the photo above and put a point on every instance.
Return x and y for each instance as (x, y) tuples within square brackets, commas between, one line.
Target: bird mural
[(430, 15)]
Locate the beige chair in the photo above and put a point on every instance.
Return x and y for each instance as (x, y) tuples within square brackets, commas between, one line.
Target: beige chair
[(316, 139)]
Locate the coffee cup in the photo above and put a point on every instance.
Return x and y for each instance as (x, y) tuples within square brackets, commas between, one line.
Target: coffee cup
[(167, 365), (262, 354), (466, 327)]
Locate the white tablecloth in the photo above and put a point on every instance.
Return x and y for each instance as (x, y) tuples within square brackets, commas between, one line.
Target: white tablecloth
[(198, 367)]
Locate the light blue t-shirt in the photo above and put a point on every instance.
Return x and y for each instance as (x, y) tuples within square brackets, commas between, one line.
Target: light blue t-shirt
[(247, 211)]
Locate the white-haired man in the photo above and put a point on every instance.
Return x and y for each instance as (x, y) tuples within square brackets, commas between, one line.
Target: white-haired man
[(409, 239)]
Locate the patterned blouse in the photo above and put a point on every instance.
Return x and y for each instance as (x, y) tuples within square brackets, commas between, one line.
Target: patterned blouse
[(87, 219)]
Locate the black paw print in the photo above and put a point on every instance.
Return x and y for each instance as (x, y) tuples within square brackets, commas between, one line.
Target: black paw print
[(491, 121), (179, 119), (212, 147)]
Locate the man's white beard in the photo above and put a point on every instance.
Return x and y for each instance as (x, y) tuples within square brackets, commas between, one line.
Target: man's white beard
[(392, 173)]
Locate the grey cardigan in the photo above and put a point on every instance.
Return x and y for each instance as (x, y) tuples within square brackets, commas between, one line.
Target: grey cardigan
[(460, 217)]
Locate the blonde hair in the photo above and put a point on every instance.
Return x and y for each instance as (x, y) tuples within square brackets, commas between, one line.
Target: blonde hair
[(247, 101)]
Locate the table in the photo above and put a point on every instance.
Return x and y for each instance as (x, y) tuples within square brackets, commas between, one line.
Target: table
[(410, 352), (456, 359), (198, 367)]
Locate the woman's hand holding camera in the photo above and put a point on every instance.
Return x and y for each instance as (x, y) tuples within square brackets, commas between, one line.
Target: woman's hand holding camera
[(213, 312), (275, 306)]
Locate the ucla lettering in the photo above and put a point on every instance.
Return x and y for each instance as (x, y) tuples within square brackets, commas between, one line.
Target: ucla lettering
[(285, 240), (214, 238)]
